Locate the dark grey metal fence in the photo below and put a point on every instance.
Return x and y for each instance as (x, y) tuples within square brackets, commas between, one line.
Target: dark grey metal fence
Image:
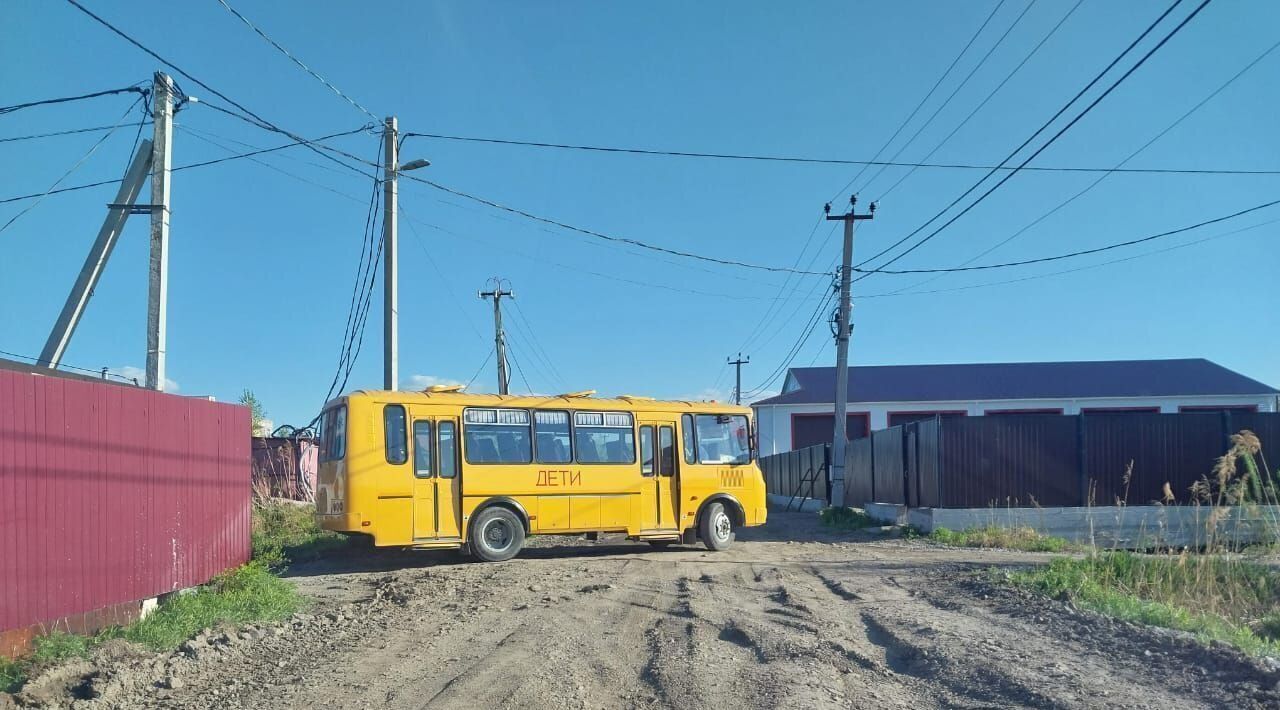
[(801, 473), (972, 462)]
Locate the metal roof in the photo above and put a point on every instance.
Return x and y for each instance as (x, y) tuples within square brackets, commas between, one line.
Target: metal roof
[(1019, 380)]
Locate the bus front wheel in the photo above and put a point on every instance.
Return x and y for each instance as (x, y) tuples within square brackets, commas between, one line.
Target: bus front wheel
[(497, 534), (716, 527)]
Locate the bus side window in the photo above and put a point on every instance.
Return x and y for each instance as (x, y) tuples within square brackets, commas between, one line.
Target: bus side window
[(646, 451), (667, 451), (422, 448), (396, 436), (448, 450), (686, 434)]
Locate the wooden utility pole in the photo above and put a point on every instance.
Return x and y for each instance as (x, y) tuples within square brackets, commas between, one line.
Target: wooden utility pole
[(499, 335), (158, 273), (737, 388), (842, 348)]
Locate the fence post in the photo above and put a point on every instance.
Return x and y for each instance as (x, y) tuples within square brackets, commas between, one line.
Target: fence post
[(937, 466), (1081, 452), (826, 475)]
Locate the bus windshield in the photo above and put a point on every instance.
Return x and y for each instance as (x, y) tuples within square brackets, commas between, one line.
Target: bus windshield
[(723, 438)]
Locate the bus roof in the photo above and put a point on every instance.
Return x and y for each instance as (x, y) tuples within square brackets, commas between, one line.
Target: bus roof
[(560, 401)]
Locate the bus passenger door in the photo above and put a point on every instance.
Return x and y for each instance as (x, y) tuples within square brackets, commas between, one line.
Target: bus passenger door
[(668, 480), (424, 479), (448, 482)]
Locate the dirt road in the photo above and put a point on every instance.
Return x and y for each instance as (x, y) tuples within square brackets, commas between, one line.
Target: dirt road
[(773, 622)]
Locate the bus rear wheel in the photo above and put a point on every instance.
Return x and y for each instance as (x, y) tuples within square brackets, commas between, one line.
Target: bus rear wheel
[(716, 527), (497, 534)]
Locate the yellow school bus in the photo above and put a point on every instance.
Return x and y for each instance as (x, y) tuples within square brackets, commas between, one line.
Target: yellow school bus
[(442, 468)]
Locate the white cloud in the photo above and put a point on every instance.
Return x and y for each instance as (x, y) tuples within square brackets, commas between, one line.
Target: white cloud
[(131, 373), (421, 382)]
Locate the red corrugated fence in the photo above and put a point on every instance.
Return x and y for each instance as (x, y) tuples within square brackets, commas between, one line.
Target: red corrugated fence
[(112, 494)]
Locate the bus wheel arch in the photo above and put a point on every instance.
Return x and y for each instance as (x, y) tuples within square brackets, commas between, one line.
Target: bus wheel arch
[(731, 507), (510, 504), (498, 533)]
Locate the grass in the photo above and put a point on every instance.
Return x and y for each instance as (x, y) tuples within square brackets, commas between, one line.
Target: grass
[(1023, 538), (1209, 591), (1212, 597), (282, 533), (845, 518)]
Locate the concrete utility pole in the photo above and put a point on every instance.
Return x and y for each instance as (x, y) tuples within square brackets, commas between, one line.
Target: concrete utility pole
[(842, 347), (737, 388), (391, 252), (158, 274), (96, 262), (499, 335)]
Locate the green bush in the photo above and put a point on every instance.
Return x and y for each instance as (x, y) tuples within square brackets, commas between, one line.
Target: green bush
[(1020, 538), (286, 532), (12, 675), (844, 518)]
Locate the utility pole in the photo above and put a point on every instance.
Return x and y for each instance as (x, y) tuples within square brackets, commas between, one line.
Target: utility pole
[(391, 252), (158, 273), (499, 335), (737, 389), (842, 347), (96, 261)]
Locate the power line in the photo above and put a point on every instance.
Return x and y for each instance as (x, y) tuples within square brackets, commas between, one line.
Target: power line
[(63, 364), (805, 334), (1104, 176), (536, 343), (260, 121), (841, 161), (134, 89), (76, 166), (1052, 31), (480, 369), (449, 289), (238, 156), (519, 369), (1051, 140), (924, 100), (297, 61), (1082, 252), (70, 132), (1086, 267), (947, 101), (609, 237)]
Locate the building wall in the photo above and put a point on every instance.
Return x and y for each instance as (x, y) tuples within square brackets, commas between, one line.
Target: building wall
[(110, 495), (774, 421)]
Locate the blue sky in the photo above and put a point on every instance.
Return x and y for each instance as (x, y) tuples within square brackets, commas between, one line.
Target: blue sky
[(262, 262)]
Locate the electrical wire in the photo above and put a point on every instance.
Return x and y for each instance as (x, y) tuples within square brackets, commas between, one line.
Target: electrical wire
[(1042, 128), (260, 121), (61, 365), (511, 353), (449, 289), (52, 134), (535, 342), (833, 161), (135, 89), (609, 237), (1086, 267), (1104, 176), (1052, 31), (947, 101), (239, 156), (480, 369), (76, 166), (297, 61), (923, 101), (1082, 252)]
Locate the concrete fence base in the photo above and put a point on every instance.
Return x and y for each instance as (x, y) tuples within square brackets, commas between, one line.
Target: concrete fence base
[(805, 505), (1127, 527)]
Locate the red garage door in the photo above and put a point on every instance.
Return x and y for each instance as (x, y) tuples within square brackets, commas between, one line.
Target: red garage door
[(813, 429)]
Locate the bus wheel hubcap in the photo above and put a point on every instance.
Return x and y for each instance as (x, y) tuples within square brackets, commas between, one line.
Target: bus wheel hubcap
[(497, 535), (722, 526)]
